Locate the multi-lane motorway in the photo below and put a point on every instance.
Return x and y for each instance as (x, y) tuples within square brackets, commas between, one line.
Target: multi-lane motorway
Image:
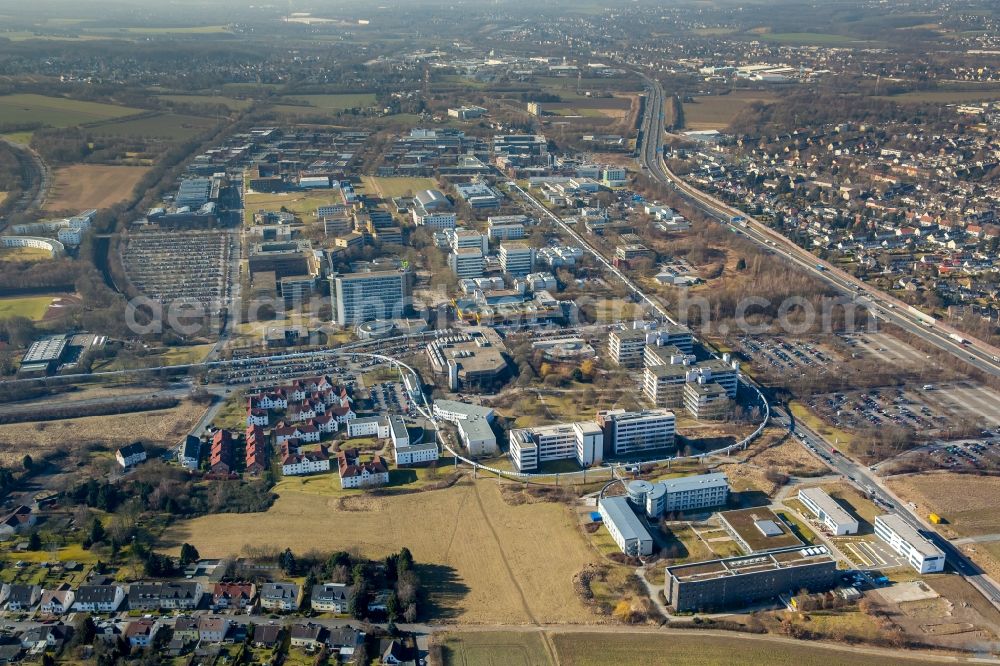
[(977, 354), (884, 307)]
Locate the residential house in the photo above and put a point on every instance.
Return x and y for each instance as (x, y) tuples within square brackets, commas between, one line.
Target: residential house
[(221, 459), (140, 633), (99, 598), (56, 602), (17, 520), (330, 597), (19, 597), (307, 635), (279, 596), (343, 641), (131, 455), (186, 630), (267, 635), (169, 595), (189, 453), (45, 637), (233, 595), (256, 451), (307, 462), (212, 629), (357, 474), (395, 653)]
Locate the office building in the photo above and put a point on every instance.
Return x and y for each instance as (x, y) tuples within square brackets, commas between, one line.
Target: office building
[(637, 432), (364, 296), (663, 385), (680, 495), (828, 511), (473, 423), (466, 262), (741, 581), (626, 347), (517, 259), (918, 551), (706, 400), (583, 441), (625, 527), (507, 227), (193, 193)]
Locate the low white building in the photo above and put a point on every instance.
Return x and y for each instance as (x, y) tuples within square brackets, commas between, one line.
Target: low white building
[(918, 551), (625, 527), (826, 509), (309, 462), (364, 427)]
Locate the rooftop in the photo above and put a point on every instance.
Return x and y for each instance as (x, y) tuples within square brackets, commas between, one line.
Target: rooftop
[(747, 523), (625, 520)]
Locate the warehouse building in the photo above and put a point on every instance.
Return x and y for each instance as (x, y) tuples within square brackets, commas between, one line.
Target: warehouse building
[(919, 552), (828, 511), (625, 527), (741, 581)]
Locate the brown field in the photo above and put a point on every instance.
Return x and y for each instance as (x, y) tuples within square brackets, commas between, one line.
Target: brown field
[(84, 186), (746, 469), (483, 560), (966, 502), (717, 111), (162, 427)]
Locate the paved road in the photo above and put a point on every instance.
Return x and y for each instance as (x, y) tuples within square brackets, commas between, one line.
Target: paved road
[(884, 307)]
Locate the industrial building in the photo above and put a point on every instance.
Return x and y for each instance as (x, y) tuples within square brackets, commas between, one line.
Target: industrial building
[(44, 355), (828, 511), (740, 581), (367, 295), (919, 552), (625, 527)]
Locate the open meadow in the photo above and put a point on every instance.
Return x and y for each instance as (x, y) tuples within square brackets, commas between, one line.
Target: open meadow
[(396, 186), (482, 560), (57, 111), (32, 307), (303, 204), (82, 186), (966, 502), (163, 126), (638, 647), (710, 112)]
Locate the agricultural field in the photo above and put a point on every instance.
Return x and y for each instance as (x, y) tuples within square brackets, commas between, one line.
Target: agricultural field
[(165, 126), (396, 187), (231, 102), (717, 111), (32, 307), (966, 502), (944, 96), (807, 38), (164, 427), (310, 105), (480, 558), (82, 186), (646, 646), (57, 111), (613, 107)]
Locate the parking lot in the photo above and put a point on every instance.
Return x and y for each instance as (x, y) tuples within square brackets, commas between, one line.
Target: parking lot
[(885, 349), (193, 266), (782, 354)]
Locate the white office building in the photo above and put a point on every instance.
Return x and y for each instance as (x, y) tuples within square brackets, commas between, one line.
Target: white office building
[(687, 493), (582, 441), (433, 219), (517, 259), (918, 551), (637, 432), (473, 424), (366, 296), (467, 263), (828, 511), (625, 527)]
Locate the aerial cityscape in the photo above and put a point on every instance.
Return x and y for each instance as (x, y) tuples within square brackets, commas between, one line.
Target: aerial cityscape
[(487, 332)]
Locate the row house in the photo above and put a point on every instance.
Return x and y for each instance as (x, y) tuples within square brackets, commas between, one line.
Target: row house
[(233, 595), (303, 433), (222, 458), (167, 595), (256, 451), (357, 474), (306, 462)]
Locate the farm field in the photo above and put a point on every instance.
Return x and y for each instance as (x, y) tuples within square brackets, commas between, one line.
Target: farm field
[(318, 105), (965, 501), (57, 111), (808, 38), (639, 647), (613, 107), (32, 307), (396, 187), (231, 102), (480, 558), (166, 126), (164, 427), (717, 111), (82, 186), (944, 96)]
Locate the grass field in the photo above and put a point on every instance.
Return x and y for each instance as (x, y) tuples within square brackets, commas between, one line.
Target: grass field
[(303, 204), (163, 427), (335, 102), (231, 102), (168, 126), (816, 424), (944, 96), (396, 187), (57, 111), (32, 307), (23, 138), (717, 111), (482, 559), (807, 38), (83, 186), (24, 253), (639, 648), (967, 503)]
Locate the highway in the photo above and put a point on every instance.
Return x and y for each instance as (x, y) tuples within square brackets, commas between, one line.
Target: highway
[(884, 307), (976, 353)]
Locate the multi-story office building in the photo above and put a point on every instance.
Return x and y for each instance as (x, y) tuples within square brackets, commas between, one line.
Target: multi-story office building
[(507, 227), (634, 432), (826, 509), (463, 238), (705, 400), (466, 262), (361, 297), (686, 493), (626, 347), (517, 259), (663, 385), (919, 552), (433, 219), (740, 581), (583, 441)]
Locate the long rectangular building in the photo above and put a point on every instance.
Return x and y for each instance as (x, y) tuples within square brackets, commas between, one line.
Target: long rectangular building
[(740, 581), (637, 432), (687, 493), (826, 509), (919, 552), (366, 296), (583, 441), (625, 527)]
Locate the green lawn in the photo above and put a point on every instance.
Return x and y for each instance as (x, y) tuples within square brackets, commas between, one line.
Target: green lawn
[(230, 102), (57, 111), (333, 102), (167, 126), (495, 648), (807, 38), (396, 187), (32, 307)]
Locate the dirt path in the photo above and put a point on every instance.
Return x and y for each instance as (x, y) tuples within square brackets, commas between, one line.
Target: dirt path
[(503, 556)]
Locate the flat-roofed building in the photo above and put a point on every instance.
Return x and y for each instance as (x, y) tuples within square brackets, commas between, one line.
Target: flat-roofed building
[(364, 296), (625, 527), (741, 581), (637, 432), (919, 552), (466, 262), (663, 385), (517, 259), (582, 441), (44, 354), (706, 400), (626, 347), (473, 423), (687, 493), (828, 511)]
